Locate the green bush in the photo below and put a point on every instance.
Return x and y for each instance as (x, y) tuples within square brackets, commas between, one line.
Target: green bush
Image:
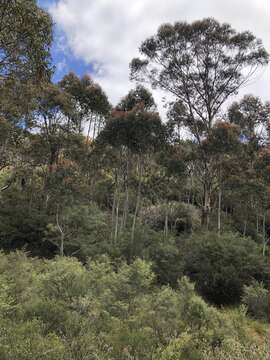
[(257, 299), (60, 309), (221, 266)]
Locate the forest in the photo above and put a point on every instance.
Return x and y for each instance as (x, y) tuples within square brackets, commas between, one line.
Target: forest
[(126, 234)]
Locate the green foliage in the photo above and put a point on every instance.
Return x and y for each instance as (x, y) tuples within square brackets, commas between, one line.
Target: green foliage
[(79, 178), (60, 309), (25, 37), (167, 261), (139, 97), (257, 299), (222, 265), (138, 130), (83, 227), (180, 217)]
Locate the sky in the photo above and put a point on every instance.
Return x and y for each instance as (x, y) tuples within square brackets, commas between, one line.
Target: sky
[(100, 37)]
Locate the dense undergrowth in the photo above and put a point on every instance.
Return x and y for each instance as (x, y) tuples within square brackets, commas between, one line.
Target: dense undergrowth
[(62, 309)]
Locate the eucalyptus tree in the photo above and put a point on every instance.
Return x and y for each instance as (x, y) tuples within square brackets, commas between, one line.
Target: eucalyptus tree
[(89, 101), (25, 40), (177, 118), (7, 139), (202, 65), (252, 116), (262, 168), (140, 96), (51, 121), (221, 147), (139, 133)]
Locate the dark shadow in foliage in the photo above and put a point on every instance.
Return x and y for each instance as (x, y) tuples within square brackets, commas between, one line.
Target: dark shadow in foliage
[(221, 266)]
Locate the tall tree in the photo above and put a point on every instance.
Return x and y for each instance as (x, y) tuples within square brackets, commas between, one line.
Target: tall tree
[(252, 116), (139, 96), (25, 40), (135, 133), (90, 103), (202, 64)]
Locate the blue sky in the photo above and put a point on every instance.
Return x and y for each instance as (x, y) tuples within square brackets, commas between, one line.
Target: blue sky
[(63, 57), (100, 37)]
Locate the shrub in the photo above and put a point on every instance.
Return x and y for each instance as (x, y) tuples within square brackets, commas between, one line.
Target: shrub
[(221, 266), (167, 262), (181, 217), (109, 311), (257, 299)]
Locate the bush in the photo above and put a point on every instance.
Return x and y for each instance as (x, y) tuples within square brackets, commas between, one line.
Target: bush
[(257, 299), (167, 262), (181, 217), (109, 311), (221, 266)]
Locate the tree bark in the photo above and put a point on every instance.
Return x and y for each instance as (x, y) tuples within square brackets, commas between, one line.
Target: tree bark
[(114, 210), (126, 203), (116, 220), (137, 202), (206, 207), (166, 225), (89, 129), (219, 210), (245, 228), (62, 235), (264, 236)]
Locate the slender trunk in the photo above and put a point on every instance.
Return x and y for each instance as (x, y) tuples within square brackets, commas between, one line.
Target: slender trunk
[(95, 125), (219, 210), (113, 213), (116, 220), (191, 189), (126, 203), (188, 197), (62, 235), (257, 224), (206, 207), (166, 228), (264, 236), (245, 228), (126, 209), (47, 198), (62, 244), (89, 129), (99, 125), (137, 201), (115, 200)]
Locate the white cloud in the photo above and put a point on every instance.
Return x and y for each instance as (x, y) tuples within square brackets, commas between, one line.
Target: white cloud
[(108, 33)]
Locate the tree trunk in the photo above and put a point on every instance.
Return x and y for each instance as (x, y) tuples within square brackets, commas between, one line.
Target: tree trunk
[(95, 126), (264, 236), (219, 210), (206, 207), (115, 210), (166, 225), (245, 228), (126, 203), (62, 244), (113, 214), (89, 129), (116, 221), (62, 235), (99, 125), (137, 202)]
